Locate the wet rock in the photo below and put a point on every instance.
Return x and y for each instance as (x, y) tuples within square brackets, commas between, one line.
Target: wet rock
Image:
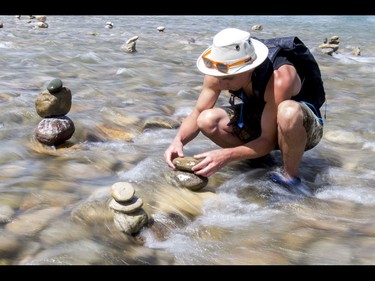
[(92, 212), (122, 191), (42, 24), (334, 40), (186, 179), (128, 207), (56, 104), (41, 18), (110, 133), (161, 122), (162, 225), (334, 47), (54, 131), (356, 51), (55, 86), (257, 27), (109, 25), (185, 163), (9, 244), (6, 214), (130, 45), (32, 222), (130, 223)]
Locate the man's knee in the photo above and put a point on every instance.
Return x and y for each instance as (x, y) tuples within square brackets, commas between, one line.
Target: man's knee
[(289, 111), (206, 120)]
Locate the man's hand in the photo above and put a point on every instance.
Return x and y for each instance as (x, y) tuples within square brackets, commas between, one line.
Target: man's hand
[(212, 161), (173, 151)]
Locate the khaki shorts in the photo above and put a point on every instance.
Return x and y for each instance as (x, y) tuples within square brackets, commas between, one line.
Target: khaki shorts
[(312, 123)]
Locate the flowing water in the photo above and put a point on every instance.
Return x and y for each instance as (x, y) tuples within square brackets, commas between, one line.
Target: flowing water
[(239, 217)]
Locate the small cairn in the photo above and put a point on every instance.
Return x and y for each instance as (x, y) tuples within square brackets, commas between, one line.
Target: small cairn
[(41, 21), (257, 27), (183, 176), (52, 105), (109, 25), (330, 45), (130, 45), (129, 217), (356, 51)]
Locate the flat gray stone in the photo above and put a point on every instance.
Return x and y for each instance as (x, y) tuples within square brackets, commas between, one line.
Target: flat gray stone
[(122, 191), (129, 207)]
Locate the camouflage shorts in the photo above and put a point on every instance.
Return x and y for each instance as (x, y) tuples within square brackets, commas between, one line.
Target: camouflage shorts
[(312, 123)]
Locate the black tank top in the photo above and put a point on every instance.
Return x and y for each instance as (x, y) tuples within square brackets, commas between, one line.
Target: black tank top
[(286, 50)]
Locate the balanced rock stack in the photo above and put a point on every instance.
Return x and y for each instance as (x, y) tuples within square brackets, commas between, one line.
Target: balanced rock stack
[(129, 217), (183, 176), (330, 45), (109, 25), (52, 105), (41, 21), (130, 45)]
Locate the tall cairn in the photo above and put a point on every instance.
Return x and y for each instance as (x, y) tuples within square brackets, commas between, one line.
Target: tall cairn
[(129, 216), (52, 105)]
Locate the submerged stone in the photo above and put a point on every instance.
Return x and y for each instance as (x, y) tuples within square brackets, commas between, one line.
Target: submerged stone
[(186, 179)]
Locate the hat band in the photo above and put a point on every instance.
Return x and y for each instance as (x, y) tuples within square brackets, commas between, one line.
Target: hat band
[(221, 66)]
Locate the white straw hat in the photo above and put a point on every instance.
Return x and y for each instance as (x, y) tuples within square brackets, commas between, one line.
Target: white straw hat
[(234, 48)]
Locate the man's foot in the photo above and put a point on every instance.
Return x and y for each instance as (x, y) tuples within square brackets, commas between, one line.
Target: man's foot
[(295, 186)]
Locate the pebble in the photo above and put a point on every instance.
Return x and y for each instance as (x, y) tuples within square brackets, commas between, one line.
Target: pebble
[(55, 86)]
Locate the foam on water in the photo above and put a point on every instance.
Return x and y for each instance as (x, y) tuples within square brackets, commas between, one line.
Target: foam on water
[(357, 194)]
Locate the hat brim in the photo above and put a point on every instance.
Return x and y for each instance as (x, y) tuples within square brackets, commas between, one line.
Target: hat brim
[(260, 49)]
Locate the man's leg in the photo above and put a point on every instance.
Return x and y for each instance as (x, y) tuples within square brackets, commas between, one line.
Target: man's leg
[(299, 129), (213, 123), (292, 136)]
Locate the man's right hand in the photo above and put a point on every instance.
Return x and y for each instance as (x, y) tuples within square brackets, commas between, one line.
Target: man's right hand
[(174, 150)]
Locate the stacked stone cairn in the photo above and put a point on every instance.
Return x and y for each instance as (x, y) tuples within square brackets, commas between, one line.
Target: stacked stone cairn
[(330, 45), (183, 176), (129, 217), (41, 21), (257, 27), (52, 105), (109, 25), (130, 45)]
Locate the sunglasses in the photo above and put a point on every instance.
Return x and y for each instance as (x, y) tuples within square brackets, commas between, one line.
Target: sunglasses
[(222, 67)]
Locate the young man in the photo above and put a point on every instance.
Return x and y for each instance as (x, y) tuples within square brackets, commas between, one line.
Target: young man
[(278, 109)]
